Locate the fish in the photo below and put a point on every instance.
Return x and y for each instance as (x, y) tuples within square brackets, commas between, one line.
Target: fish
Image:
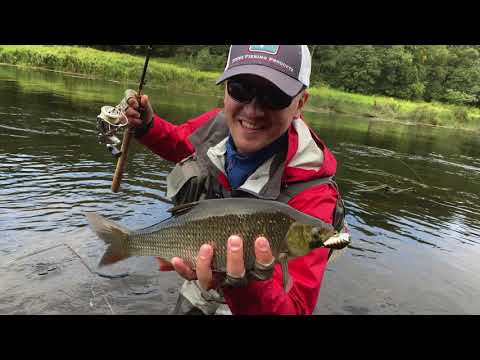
[(290, 232)]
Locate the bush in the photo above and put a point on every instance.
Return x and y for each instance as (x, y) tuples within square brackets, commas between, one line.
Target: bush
[(461, 115), (206, 61), (389, 108), (458, 97), (416, 91), (425, 115)]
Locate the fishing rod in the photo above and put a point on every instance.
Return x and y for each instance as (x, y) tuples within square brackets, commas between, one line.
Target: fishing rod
[(111, 119), (127, 135)]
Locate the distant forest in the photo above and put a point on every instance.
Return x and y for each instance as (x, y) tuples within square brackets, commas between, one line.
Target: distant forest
[(444, 73)]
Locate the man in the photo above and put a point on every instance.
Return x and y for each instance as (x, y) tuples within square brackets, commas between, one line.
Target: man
[(257, 146)]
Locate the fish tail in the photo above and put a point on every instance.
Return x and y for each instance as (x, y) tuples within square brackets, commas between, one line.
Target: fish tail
[(114, 235)]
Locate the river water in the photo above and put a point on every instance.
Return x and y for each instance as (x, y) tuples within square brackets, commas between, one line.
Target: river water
[(415, 240)]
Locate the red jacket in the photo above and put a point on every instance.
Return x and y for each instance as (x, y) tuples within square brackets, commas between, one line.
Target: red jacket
[(306, 272)]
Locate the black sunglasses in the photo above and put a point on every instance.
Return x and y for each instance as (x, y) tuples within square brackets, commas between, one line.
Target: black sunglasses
[(267, 96)]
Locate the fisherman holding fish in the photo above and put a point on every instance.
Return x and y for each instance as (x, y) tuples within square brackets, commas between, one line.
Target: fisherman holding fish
[(257, 146)]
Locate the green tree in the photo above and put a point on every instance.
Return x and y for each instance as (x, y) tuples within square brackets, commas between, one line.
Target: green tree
[(399, 76), (358, 69)]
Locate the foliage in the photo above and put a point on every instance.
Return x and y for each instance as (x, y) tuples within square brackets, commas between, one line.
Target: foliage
[(107, 65), (425, 114), (461, 115), (458, 97), (414, 72), (448, 73), (442, 83), (206, 60)]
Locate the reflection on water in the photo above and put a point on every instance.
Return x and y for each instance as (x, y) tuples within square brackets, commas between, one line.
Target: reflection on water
[(437, 194), (415, 239)]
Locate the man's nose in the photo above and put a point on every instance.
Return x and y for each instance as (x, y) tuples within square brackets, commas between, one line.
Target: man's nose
[(253, 108)]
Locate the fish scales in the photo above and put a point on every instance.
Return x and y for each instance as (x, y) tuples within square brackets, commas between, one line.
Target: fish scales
[(213, 221), (183, 237)]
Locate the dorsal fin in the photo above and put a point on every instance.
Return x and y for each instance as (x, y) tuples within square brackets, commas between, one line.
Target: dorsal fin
[(183, 208)]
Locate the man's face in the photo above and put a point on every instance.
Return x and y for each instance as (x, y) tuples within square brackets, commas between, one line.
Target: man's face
[(253, 125)]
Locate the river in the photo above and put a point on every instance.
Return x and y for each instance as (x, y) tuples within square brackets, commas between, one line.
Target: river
[(415, 241)]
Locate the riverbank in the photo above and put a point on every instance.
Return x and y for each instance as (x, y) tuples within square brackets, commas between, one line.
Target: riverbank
[(96, 64)]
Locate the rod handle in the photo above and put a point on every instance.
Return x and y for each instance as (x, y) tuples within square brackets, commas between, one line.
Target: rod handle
[(122, 160)]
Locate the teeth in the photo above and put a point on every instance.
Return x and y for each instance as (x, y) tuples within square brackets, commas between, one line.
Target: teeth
[(250, 125)]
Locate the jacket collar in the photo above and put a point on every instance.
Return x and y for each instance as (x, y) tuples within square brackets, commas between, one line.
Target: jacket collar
[(210, 145)]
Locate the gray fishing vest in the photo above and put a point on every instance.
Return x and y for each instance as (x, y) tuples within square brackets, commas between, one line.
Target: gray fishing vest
[(195, 177)]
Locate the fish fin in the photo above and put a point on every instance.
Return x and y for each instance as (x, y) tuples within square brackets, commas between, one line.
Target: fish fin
[(110, 256), (115, 235), (283, 260), (180, 209)]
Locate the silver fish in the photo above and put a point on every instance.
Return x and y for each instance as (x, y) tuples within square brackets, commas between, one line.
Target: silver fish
[(289, 232)]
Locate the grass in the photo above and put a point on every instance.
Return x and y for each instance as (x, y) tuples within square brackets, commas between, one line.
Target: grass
[(106, 65), (409, 112), (126, 68)]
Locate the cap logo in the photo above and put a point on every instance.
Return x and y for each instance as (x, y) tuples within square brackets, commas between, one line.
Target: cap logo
[(269, 49)]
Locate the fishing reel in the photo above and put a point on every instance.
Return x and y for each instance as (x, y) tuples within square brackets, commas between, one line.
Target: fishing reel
[(110, 120)]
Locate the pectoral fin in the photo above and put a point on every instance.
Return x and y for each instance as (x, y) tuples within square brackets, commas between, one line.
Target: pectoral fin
[(179, 209), (283, 260)]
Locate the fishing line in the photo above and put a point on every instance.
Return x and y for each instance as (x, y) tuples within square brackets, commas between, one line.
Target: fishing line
[(409, 168)]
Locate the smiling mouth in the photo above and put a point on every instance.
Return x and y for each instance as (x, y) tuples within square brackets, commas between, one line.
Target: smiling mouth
[(251, 126)]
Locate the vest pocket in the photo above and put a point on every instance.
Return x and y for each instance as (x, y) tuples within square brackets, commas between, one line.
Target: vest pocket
[(186, 182)]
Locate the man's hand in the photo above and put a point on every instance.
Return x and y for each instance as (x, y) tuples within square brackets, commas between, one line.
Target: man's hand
[(235, 262), (138, 117)]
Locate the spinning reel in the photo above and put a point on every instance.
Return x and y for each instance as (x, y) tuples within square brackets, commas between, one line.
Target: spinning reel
[(109, 121), (113, 118)]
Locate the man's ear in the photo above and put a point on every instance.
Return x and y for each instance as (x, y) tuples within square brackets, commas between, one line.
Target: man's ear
[(301, 103)]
